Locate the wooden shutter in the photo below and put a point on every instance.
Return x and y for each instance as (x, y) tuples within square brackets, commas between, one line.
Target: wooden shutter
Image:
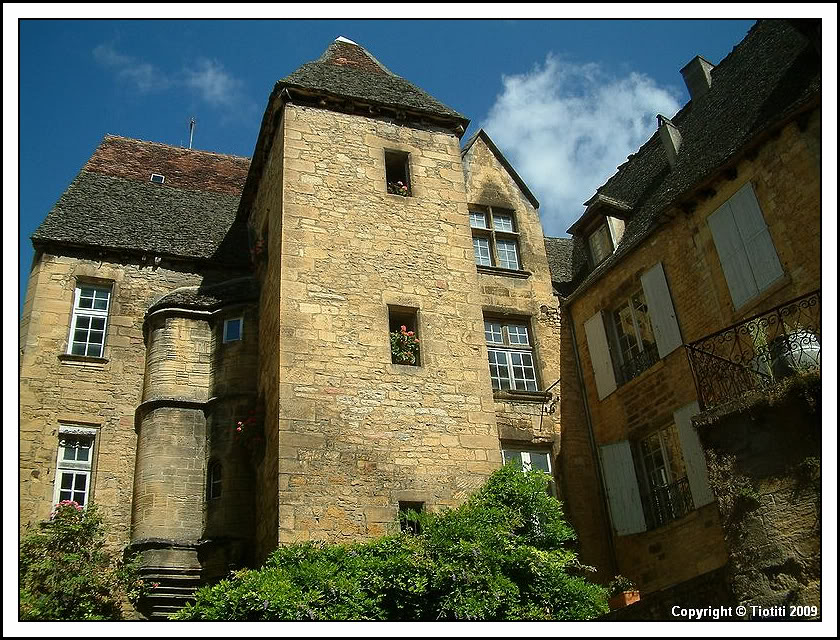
[(758, 244), (622, 488), (693, 456), (666, 330), (599, 351), (733, 257)]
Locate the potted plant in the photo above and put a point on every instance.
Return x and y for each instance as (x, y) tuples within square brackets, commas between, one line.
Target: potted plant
[(622, 592), (399, 188), (405, 347)]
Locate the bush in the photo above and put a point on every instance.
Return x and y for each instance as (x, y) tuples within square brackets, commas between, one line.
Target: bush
[(66, 575), (506, 554)]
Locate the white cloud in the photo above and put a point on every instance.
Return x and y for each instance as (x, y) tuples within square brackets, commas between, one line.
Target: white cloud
[(208, 79), (213, 83), (565, 127)]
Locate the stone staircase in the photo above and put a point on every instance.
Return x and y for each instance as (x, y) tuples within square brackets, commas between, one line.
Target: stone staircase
[(175, 589)]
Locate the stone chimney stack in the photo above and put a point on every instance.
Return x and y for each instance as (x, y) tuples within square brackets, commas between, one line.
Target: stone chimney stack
[(698, 76), (670, 137)]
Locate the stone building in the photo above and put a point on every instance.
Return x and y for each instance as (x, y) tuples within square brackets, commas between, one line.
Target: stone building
[(206, 342)]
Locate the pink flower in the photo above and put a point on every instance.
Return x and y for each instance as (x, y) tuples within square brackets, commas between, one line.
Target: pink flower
[(239, 428), (410, 333), (402, 328)]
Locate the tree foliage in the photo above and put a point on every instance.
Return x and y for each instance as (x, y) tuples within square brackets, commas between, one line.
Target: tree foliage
[(65, 572), (506, 554)]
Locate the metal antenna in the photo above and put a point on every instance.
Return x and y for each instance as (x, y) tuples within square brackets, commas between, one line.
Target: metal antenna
[(192, 128)]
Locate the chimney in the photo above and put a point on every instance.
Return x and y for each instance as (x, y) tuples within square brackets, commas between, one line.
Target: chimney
[(698, 76), (670, 137)]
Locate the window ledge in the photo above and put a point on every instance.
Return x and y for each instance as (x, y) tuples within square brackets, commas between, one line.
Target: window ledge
[(501, 271), (69, 358), (512, 395), (398, 196)]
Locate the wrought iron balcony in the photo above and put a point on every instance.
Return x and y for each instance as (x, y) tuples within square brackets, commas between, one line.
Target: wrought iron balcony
[(665, 504), (757, 352), (638, 364)]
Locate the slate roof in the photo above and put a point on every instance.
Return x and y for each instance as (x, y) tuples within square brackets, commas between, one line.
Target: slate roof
[(347, 69), (210, 297), (113, 204), (768, 77)]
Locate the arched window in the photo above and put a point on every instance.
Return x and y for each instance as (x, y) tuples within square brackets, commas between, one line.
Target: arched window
[(214, 480)]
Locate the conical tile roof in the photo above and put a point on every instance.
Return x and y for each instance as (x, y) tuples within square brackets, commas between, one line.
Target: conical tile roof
[(348, 70)]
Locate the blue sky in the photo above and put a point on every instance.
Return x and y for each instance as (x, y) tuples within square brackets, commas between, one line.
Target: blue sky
[(565, 100)]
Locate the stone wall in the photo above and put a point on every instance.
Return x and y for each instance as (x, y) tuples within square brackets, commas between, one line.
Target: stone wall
[(101, 393), (766, 462)]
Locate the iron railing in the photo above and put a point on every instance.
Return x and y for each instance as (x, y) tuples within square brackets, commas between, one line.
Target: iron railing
[(757, 352), (638, 364), (665, 504)]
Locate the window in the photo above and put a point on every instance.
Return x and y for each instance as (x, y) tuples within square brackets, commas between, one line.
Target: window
[(495, 238), (397, 173), (73, 468), (658, 478), (600, 244), (90, 316), (532, 460), (404, 336), (633, 334), (627, 340), (666, 495), (409, 522), (214, 480), (157, 178), (746, 251), (232, 330), (510, 355)]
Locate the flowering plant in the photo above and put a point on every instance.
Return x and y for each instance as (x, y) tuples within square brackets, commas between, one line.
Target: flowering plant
[(249, 432), (398, 188), (405, 346)]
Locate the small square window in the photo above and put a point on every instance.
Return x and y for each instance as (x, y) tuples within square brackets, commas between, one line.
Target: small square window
[(397, 173), (157, 178), (408, 518), (405, 339), (532, 460), (232, 330)]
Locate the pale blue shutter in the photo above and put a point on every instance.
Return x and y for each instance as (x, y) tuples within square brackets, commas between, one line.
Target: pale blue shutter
[(622, 488), (733, 257), (599, 351), (666, 330), (693, 455), (758, 244)]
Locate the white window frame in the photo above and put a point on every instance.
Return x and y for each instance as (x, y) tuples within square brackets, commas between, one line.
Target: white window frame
[(511, 345), (90, 315), (74, 467), (495, 226), (525, 458), (227, 321)]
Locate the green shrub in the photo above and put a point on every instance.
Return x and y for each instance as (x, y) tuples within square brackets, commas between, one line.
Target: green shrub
[(506, 554), (65, 574)]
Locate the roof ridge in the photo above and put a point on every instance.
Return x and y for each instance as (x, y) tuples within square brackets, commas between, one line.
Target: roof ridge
[(172, 146)]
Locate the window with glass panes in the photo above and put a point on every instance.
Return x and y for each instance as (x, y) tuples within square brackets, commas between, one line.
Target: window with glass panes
[(495, 238), (90, 317), (531, 460), (73, 468), (510, 355), (634, 335)]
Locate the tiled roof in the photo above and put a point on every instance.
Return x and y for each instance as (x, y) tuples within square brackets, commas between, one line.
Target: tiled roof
[(766, 78), (210, 297), (347, 69), (113, 204)]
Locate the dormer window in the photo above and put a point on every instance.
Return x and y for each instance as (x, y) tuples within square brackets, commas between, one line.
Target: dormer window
[(157, 178), (600, 244), (605, 238)]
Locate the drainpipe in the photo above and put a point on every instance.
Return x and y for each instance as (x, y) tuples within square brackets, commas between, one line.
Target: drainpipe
[(590, 431)]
